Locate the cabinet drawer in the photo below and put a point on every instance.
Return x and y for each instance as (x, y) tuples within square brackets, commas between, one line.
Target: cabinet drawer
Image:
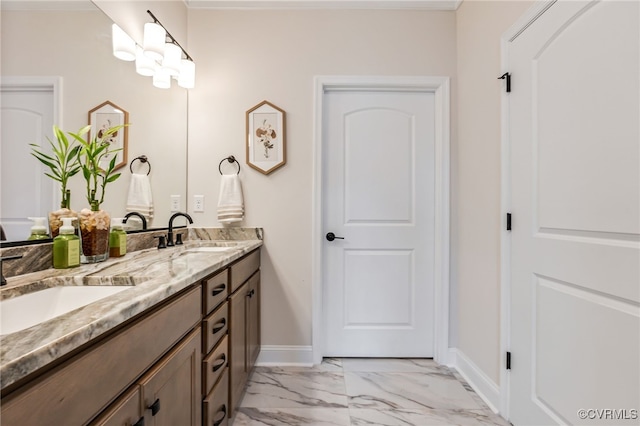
[(214, 327), (243, 269), (216, 290), (113, 364), (215, 407), (125, 411), (214, 365)]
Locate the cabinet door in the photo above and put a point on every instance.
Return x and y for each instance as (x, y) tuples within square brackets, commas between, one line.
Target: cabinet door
[(253, 321), (237, 347), (127, 410), (171, 390)]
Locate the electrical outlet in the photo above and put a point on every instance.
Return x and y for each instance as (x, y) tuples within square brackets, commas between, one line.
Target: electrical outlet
[(198, 203), (175, 203)]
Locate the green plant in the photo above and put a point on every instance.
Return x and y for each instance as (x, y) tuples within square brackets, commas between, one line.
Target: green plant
[(63, 163), (91, 153)]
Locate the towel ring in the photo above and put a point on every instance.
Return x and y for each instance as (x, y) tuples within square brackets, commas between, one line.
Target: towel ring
[(230, 159), (143, 159)]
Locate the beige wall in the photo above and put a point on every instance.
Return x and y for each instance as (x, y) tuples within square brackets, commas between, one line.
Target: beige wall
[(476, 221), (244, 57)]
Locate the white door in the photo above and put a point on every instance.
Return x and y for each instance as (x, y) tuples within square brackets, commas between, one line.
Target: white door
[(27, 117), (378, 192), (575, 154)]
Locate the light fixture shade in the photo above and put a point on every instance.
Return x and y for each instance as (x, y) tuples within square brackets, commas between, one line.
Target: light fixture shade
[(154, 41), (171, 60), (187, 76), (123, 46), (162, 78), (144, 64)]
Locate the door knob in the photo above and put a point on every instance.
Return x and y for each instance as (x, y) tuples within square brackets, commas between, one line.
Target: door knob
[(331, 236)]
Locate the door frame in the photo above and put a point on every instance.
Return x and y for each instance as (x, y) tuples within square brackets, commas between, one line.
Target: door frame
[(439, 86), (527, 19)]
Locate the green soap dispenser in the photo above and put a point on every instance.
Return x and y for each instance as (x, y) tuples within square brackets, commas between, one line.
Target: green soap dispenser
[(38, 230), (66, 246), (117, 239)]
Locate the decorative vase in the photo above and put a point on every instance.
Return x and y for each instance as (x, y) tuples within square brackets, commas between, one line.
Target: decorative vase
[(55, 220), (94, 233)]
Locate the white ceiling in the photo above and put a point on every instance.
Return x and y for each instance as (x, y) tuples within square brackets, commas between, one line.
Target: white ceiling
[(250, 4)]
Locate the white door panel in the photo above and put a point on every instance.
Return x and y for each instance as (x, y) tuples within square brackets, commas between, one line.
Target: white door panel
[(379, 196), (575, 190), (27, 117)]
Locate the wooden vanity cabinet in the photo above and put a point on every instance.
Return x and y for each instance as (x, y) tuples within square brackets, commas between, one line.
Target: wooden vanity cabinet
[(87, 383), (244, 330)]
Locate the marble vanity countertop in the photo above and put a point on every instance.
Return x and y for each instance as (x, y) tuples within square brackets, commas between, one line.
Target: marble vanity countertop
[(153, 275)]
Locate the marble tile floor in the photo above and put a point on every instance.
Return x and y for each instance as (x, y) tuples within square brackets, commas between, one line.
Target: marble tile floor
[(355, 392)]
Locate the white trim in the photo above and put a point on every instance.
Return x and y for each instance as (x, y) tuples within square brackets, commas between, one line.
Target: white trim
[(48, 83), (507, 37), (440, 87), (282, 355), (486, 388)]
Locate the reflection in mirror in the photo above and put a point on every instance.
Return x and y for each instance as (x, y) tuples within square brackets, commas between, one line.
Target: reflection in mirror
[(56, 66)]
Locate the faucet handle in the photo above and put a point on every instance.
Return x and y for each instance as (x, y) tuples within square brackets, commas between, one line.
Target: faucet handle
[(179, 239), (161, 241)]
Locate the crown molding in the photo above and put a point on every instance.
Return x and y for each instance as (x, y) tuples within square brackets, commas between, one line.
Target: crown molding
[(447, 5)]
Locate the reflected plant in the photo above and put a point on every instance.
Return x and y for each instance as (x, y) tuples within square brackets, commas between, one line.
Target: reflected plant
[(63, 163)]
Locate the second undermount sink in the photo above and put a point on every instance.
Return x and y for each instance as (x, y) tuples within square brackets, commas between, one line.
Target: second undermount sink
[(21, 312)]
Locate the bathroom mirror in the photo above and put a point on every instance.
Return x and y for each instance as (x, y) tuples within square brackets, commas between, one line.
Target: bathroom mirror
[(71, 42)]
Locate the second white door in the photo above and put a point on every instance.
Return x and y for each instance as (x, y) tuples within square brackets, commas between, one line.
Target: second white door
[(378, 192)]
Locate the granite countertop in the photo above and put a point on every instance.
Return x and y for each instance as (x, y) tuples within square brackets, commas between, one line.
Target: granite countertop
[(153, 276)]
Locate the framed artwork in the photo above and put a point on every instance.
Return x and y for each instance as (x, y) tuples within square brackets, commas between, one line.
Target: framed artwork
[(107, 115), (266, 141)]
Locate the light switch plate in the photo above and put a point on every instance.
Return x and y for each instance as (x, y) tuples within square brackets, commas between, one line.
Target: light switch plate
[(175, 203)]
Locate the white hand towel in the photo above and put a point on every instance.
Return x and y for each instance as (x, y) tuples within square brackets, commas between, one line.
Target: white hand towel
[(140, 199), (230, 202)]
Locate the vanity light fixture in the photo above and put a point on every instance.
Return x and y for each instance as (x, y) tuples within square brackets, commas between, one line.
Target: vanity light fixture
[(123, 46), (160, 57)]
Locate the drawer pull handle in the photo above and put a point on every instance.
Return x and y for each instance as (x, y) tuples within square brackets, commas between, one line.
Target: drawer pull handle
[(155, 407), (251, 293), (220, 362), (140, 422), (218, 326), (223, 410), (219, 289)]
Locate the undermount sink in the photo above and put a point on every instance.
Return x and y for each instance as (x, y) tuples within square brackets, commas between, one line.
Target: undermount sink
[(21, 312)]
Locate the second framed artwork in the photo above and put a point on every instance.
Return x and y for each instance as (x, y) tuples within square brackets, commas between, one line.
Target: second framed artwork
[(266, 140), (107, 115)]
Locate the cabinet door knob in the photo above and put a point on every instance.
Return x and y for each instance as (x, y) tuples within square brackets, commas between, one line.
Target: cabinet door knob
[(218, 326), (155, 407), (220, 362), (223, 410), (219, 289)]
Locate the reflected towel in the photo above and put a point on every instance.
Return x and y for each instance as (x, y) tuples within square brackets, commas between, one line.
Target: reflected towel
[(230, 202), (140, 199)]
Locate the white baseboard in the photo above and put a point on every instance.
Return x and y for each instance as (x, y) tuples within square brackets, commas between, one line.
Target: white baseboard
[(281, 355), (486, 388)]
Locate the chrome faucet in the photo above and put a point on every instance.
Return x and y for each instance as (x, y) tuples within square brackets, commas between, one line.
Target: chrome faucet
[(144, 219), (170, 234)]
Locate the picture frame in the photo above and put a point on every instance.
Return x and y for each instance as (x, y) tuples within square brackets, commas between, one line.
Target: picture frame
[(106, 115), (266, 137)]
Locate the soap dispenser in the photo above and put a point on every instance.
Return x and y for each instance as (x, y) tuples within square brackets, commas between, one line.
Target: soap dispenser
[(117, 239), (38, 230), (66, 246)]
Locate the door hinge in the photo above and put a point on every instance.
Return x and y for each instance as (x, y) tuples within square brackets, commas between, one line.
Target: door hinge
[(508, 221), (508, 359), (506, 76)]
